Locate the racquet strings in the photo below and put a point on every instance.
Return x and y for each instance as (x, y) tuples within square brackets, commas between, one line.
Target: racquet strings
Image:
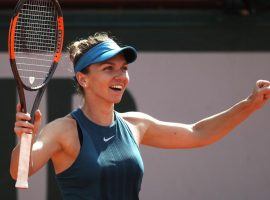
[(35, 41)]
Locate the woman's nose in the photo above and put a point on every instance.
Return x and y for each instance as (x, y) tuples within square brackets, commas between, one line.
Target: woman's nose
[(121, 75)]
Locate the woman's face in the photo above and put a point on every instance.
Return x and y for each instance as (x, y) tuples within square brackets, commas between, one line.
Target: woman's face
[(108, 80)]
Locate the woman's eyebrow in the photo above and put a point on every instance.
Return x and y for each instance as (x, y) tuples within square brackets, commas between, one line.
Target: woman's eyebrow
[(111, 63)]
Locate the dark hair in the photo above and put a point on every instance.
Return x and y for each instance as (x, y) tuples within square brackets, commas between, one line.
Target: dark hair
[(78, 48)]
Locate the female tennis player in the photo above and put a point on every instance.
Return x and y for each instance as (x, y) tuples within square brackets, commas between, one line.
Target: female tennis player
[(94, 149)]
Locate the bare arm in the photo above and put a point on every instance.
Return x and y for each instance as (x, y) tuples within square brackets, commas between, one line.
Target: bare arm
[(215, 127), (44, 145), (176, 135)]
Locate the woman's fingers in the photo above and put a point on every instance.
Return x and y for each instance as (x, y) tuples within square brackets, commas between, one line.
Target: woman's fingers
[(265, 91), (38, 115), (266, 97), (260, 94), (22, 116), (19, 131), (37, 122), (24, 124), (262, 88), (262, 83), (23, 127), (18, 107)]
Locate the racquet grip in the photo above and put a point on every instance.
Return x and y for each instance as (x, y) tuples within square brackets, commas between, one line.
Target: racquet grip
[(24, 159)]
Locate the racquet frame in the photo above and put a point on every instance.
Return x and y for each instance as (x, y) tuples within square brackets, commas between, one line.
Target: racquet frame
[(26, 139)]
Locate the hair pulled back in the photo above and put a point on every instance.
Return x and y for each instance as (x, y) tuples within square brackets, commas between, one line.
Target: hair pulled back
[(78, 48)]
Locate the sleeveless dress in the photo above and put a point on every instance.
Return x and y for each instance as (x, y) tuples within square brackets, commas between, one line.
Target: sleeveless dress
[(109, 165)]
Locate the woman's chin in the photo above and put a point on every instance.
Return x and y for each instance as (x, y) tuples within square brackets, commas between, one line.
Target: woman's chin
[(117, 99)]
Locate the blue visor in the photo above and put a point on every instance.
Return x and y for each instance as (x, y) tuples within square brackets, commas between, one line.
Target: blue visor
[(104, 51)]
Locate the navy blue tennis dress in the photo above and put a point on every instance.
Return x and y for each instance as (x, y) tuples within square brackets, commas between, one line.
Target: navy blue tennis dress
[(109, 165)]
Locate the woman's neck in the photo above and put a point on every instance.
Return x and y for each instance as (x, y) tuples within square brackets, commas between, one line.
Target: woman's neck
[(98, 112)]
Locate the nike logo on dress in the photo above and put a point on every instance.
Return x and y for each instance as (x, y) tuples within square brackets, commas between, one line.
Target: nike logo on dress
[(107, 139)]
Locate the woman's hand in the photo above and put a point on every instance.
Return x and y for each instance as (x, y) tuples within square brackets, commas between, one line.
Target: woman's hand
[(22, 124), (260, 94)]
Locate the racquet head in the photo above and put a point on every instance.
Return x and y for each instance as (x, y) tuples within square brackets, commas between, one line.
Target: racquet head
[(35, 41)]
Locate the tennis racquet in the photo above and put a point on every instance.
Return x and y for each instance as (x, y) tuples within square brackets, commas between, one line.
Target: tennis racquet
[(35, 44)]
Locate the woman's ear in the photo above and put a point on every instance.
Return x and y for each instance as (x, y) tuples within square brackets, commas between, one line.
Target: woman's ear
[(82, 79)]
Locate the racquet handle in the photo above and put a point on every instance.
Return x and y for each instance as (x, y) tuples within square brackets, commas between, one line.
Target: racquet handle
[(24, 159)]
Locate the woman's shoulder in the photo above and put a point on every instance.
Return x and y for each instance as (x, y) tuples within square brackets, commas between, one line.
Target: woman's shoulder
[(60, 126), (136, 117), (138, 122)]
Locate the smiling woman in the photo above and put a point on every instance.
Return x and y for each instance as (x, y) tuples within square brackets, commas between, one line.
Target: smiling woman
[(96, 49), (106, 80), (94, 149), (94, 136)]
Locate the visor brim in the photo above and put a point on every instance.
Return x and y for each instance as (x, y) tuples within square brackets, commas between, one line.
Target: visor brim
[(128, 52)]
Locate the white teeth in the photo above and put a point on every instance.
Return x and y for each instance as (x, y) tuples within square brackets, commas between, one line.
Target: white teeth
[(117, 87)]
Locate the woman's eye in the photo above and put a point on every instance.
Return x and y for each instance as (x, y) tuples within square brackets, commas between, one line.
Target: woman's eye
[(125, 68), (108, 68)]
